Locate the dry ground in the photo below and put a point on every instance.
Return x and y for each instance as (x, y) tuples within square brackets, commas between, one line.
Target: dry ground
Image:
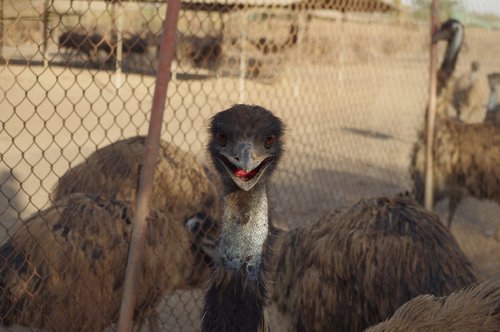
[(352, 96)]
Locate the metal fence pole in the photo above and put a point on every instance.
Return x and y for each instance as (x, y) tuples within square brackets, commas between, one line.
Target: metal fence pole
[(167, 52), (1, 30), (431, 110), (118, 14), (243, 56)]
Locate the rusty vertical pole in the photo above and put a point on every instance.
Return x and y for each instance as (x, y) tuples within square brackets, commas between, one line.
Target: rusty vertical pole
[(167, 52), (431, 110)]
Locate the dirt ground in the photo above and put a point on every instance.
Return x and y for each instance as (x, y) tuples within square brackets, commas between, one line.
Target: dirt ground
[(352, 99)]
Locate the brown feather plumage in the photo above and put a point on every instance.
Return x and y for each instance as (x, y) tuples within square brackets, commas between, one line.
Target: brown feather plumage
[(63, 270), (355, 267), (466, 157), (466, 161), (180, 181), (468, 95), (474, 309), (173, 259)]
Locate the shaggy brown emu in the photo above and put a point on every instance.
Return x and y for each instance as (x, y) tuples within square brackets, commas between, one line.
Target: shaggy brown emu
[(245, 147), (355, 267), (181, 190), (63, 269), (180, 181), (466, 156), (347, 271), (476, 308)]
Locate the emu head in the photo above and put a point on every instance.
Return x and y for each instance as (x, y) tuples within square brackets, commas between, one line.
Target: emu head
[(246, 143), (448, 31)]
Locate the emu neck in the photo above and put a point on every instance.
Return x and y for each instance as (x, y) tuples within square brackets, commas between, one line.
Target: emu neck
[(244, 230), (235, 300), (450, 59)]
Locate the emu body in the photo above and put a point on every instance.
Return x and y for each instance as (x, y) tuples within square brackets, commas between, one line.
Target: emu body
[(180, 181), (182, 197), (472, 309), (355, 267), (467, 95), (64, 269)]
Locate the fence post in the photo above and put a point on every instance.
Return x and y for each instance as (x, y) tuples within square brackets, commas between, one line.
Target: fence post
[(243, 55), (45, 32), (167, 52), (1, 31), (431, 110), (118, 14)]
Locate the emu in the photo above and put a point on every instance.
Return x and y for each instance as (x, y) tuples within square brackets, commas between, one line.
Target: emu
[(82, 241), (375, 255), (63, 270), (245, 146), (466, 156)]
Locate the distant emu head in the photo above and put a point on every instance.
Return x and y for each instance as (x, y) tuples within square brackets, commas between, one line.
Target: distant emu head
[(448, 31), (451, 31), (245, 145)]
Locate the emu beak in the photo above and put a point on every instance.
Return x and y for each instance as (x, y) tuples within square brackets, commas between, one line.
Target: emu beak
[(244, 166), (245, 157), (440, 35)]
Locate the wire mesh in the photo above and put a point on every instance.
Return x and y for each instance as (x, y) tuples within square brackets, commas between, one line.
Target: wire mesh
[(349, 78)]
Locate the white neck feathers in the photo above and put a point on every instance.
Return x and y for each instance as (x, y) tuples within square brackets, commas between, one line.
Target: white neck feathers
[(244, 228)]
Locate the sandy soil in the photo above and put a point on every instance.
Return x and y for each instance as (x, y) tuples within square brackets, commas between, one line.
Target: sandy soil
[(353, 97)]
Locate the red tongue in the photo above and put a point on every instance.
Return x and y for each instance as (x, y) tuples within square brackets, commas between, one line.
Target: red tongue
[(242, 174)]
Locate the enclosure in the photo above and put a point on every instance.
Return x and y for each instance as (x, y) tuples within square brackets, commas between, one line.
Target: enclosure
[(349, 79)]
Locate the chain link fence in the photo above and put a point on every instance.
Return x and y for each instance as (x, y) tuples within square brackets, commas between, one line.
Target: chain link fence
[(349, 78)]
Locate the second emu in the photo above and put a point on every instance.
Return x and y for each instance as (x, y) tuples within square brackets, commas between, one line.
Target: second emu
[(64, 269), (466, 156)]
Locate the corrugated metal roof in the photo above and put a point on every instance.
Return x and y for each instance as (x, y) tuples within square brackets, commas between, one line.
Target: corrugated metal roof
[(352, 5), (341, 5), (228, 5)]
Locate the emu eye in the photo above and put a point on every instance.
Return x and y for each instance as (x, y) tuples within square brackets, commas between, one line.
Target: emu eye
[(221, 138), (270, 140)]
